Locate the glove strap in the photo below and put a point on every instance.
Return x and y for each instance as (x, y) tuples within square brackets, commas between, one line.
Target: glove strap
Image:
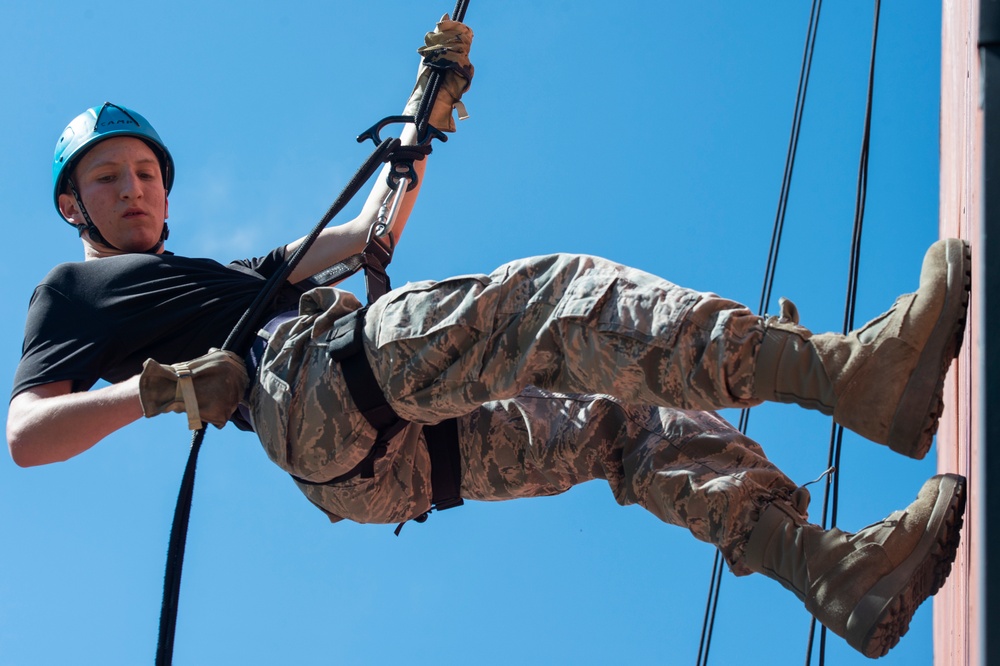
[(185, 383)]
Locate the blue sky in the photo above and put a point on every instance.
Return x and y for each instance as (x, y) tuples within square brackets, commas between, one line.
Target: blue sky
[(650, 133)]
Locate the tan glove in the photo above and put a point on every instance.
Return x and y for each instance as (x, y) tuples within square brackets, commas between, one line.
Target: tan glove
[(446, 50), (209, 388)]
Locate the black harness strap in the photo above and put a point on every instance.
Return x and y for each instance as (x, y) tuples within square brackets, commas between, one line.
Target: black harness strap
[(344, 343), (446, 464), (345, 346)]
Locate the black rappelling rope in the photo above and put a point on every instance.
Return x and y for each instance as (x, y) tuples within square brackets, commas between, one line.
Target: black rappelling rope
[(238, 340), (831, 493), (715, 584)]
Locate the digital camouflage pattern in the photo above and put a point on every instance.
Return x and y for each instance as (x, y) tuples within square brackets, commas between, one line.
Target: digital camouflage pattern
[(688, 468), (527, 359), (567, 323)]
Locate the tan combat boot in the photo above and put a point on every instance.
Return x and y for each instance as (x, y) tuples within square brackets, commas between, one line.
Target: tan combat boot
[(864, 587), (884, 380)]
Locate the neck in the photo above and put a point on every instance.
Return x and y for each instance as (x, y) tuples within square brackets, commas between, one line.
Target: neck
[(93, 249), (95, 246)]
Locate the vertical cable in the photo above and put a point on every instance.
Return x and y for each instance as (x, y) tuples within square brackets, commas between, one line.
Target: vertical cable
[(831, 495), (711, 604), (708, 623), (793, 144)]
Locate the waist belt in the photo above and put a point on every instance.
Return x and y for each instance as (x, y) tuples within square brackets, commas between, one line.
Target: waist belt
[(344, 342), (241, 418), (256, 353)]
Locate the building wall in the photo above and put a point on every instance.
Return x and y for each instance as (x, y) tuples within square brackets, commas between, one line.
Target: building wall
[(957, 607)]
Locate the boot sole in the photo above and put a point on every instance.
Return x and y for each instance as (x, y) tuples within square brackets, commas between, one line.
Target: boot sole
[(925, 389), (883, 615)]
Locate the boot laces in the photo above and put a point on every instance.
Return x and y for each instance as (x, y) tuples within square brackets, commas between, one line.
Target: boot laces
[(880, 532)]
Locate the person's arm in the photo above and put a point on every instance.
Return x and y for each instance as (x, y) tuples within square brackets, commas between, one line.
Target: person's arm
[(446, 47), (338, 243), (50, 423)]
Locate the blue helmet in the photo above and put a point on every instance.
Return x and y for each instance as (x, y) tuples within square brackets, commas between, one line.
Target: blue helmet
[(93, 126)]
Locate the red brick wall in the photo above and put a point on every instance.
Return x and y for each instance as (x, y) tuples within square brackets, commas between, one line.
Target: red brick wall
[(957, 606)]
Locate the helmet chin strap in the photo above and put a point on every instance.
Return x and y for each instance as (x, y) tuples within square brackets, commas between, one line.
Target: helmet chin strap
[(95, 235)]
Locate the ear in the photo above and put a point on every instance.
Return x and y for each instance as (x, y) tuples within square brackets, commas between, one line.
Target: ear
[(69, 209), (166, 208)]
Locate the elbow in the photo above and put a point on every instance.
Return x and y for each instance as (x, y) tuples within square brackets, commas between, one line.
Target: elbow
[(19, 453), (20, 457), (22, 452), (25, 456), (23, 461), (36, 435)]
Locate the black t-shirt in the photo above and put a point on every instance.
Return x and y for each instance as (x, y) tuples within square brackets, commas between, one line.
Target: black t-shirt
[(102, 319)]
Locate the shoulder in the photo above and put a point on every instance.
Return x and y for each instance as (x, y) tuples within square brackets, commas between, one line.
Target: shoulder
[(75, 276), (263, 265), (62, 272), (122, 264)]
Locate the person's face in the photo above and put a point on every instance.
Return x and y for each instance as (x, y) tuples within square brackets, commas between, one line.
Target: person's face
[(121, 186)]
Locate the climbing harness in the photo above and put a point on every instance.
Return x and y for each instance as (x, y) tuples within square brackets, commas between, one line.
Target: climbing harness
[(832, 482), (373, 259), (344, 344)]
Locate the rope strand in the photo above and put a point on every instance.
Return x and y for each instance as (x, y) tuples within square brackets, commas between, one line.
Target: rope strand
[(831, 497), (237, 341), (708, 624)]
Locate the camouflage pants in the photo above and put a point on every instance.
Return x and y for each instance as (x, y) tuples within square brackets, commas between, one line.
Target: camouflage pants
[(528, 359)]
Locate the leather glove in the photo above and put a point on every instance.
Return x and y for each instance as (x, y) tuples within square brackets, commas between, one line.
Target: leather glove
[(209, 388), (446, 50)]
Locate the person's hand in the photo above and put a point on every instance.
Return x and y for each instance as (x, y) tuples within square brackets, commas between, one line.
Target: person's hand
[(209, 388), (445, 50)]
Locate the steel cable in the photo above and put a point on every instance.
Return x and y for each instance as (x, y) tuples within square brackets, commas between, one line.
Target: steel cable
[(831, 493), (708, 623)]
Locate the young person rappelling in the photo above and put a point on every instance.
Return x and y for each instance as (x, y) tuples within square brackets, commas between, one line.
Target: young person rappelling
[(548, 372)]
